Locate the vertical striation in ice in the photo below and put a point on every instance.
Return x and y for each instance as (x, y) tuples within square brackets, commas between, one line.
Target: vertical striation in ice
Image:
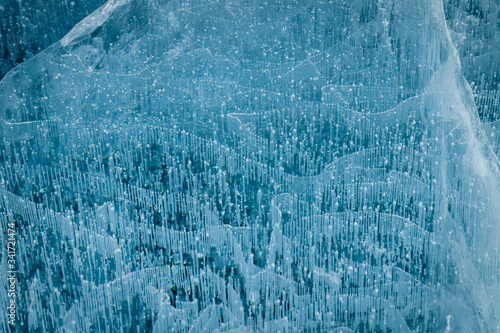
[(475, 30), (198, 166)]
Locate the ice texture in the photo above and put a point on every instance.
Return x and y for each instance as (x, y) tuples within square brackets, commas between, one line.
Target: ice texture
[(475, 30), (257, 166), (29, 26)]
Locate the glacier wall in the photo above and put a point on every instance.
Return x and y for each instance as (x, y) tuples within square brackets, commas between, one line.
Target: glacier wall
[(312, 166)]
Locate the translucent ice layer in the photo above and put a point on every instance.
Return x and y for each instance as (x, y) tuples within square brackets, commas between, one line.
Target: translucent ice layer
[(252, 166), (29, 26)]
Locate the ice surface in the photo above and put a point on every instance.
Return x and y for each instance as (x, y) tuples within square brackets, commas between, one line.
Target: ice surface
[(29, 26), (313, 166)]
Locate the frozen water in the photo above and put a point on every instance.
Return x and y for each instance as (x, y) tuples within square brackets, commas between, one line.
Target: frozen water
[(201, 166), (29, 26)]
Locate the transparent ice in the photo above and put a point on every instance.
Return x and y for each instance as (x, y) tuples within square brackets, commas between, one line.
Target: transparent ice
[(257, 166), (29, 26)]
